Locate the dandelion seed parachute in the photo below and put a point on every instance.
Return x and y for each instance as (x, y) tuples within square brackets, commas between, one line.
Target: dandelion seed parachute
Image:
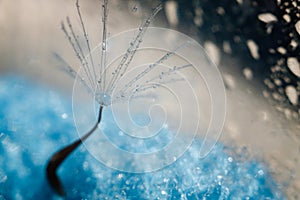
[(109, 85), (121, 77), (167, 88)]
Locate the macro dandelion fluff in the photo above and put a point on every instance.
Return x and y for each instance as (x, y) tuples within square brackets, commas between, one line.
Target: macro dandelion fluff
[(147, 70)]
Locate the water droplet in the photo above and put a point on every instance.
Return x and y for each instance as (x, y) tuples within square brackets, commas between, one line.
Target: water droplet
[(276, 96), (198, 21), (261, 172), (174, 158), (267, 17), (3, 177), (281, 50), (297, 26), (253, 48), (220, 11), (85, 165), (287, 18), (272, 51), (248, 73), (294, 65), (212, 51), (64, 116), (103, 98), (229, 81), (171, 8), (239, 1), (288, 113), (134, 9), (120, 176), (121, 133), (291, 92), (277, 82), (266, 94), (227, 47), (294, 44)]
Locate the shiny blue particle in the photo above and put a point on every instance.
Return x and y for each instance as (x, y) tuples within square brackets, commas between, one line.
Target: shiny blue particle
[(36, 121)]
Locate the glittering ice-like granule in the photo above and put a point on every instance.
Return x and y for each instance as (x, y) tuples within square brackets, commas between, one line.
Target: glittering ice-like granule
[(35, 122)]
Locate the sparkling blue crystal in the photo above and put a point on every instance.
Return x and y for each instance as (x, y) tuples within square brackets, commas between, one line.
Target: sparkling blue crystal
[(36, 121)]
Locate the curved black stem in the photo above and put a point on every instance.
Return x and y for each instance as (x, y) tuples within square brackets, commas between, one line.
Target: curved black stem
[(62, 154)]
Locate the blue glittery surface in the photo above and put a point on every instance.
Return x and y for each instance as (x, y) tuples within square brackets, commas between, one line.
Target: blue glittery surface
[(36, 121)]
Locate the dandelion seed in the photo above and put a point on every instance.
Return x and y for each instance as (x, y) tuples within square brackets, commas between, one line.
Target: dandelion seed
[(112, 81), (134, 8), (97, 83)]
